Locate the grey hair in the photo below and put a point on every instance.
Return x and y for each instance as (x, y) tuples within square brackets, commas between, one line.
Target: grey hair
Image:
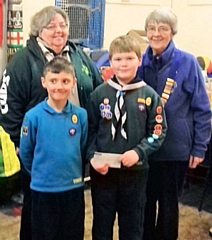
[(162, 15), (42, 18)]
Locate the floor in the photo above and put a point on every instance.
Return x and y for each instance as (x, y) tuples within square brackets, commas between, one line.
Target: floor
[(193, 225)]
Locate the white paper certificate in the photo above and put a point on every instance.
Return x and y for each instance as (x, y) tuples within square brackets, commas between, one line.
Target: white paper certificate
[(111, 158)]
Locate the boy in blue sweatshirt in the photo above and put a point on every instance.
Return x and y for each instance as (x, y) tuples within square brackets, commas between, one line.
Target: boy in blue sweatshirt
[(126, 124), (53, 139)]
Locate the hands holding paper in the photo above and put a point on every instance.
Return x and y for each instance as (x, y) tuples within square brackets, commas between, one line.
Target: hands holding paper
[(103, 169), (129, 158), (101, 162)]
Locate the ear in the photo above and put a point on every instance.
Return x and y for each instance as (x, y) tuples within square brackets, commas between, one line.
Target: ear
[(111, 64), (140, 61), (43, 81), (74, 81)]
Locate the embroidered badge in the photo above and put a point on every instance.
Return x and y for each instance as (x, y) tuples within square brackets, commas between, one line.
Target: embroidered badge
[(141, 107), (25, 130), (77, 180), (85, 70), (141, 100), (168, 90), (74, 119)]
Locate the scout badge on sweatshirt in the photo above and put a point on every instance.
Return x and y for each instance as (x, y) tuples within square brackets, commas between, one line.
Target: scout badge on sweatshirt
[(105, 109), (141, 104), (74, 119)]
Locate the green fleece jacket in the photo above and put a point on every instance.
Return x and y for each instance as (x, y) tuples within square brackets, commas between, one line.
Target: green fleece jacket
[(21, 87)]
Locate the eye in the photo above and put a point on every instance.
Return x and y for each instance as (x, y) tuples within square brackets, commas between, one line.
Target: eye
[(53, 81), (51, 27), (151, 29), (66, 81), (63, 26)]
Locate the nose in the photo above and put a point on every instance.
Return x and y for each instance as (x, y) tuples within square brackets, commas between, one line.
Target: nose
[(124, 62), (59, 85), (59, 28), (156, 32)]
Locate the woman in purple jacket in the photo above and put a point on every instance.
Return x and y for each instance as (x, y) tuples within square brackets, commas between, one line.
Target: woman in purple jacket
[(177, 78)]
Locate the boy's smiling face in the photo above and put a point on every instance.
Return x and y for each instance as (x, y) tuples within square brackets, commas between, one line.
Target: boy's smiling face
[(58, 85), (125, 66)]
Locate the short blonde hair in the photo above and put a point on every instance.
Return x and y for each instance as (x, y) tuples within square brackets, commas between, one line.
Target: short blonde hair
[(163, 15), (42, 18), (124, 44)]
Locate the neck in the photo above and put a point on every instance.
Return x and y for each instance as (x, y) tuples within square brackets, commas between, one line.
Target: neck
[(58, 106)]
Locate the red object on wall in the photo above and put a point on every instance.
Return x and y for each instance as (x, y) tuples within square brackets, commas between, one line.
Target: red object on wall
[(1, 22), (15, 38)]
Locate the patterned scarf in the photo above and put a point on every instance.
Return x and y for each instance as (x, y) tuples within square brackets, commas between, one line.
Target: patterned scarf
[(49, 54), (120, 109)]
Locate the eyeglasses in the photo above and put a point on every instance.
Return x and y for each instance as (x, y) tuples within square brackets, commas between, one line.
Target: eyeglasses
[(161, 30), (53, 28)]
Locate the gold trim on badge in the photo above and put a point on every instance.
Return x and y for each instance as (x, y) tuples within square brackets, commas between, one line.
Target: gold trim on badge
[(74, 119)]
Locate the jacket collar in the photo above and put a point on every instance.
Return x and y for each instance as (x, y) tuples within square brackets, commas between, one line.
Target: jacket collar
[(161, 60)]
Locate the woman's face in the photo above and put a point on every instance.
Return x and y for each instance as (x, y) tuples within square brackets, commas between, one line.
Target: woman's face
[(159, 36), (55, 34)]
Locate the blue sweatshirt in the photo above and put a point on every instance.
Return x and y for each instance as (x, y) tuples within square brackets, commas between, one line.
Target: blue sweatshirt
[(187, 110), (52, 145)]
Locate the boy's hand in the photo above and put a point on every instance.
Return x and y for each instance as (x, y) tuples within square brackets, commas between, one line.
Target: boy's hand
[(17, 151), (194, 161), (129, 158), (101, 169)]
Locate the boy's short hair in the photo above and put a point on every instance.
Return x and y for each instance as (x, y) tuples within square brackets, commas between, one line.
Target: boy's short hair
[(124, 44), (59, 64)]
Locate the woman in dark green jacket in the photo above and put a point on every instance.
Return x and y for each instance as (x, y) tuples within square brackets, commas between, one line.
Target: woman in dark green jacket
[(21, 87)]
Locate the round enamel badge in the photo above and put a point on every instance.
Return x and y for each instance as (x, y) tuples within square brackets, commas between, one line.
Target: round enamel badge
[(74, 119)]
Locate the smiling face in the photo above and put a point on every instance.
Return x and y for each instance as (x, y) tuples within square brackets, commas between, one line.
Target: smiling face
[(59, 86), (55, 34), (159, 36), (125, 66)]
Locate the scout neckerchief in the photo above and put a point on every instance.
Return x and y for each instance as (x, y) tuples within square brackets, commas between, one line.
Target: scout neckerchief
[(120, 110), (170, 82)]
